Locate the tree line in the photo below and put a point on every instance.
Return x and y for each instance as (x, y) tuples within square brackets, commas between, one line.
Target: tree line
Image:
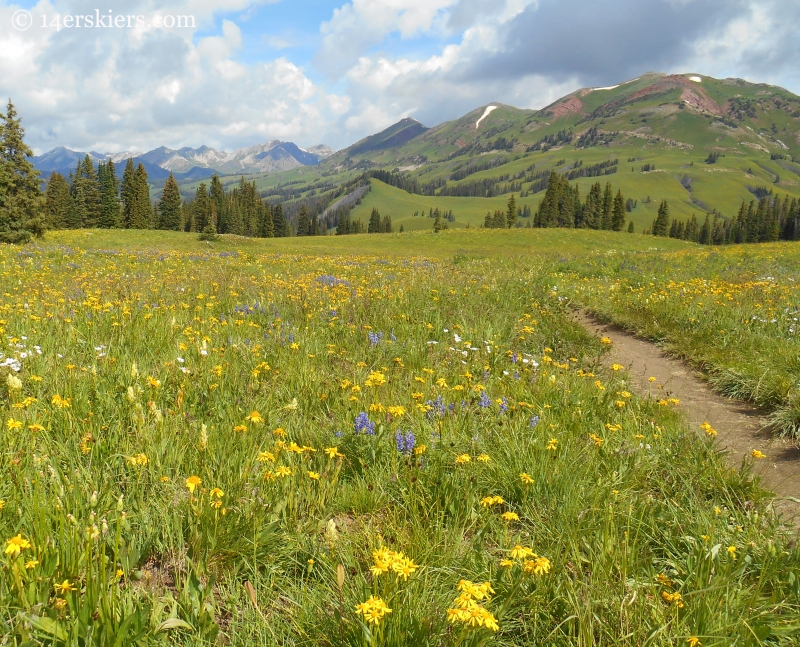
[(562, 206), (770, 219)]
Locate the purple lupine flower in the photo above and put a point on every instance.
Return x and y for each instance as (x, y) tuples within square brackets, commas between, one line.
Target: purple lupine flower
[(374, 338), (411, 440), (400, 441), (514, 358), (503, 405), (534, 421), (364, 424), (435, 408), (485, 401)]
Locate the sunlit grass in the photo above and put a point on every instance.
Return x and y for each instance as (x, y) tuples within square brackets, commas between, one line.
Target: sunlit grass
[(274, 442)]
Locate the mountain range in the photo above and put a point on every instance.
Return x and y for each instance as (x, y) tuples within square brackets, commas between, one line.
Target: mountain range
[(193, 163), (700, 143)]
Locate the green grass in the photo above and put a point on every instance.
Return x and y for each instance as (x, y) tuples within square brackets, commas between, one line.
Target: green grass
[(732, 311), (240, 362)]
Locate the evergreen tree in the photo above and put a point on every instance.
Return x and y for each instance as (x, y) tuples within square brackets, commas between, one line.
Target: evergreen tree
[(86, 179), (511, 212), (142, 210), (705, 232), (169, 206), (278, 221), (201, 208), (304, 222), (386, 224), (343, 226), (216, 194), (109, 196), (437, 223), (487, 221), (128, 192), (608, 207), (593, 210), (374, 225), (57, 202), (618, 213), (266, 228), (630, 227), (77, 213), (661, 223), (21, 199)]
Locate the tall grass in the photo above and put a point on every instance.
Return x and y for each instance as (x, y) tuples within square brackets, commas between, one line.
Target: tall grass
[(734, 312), (207, 448)]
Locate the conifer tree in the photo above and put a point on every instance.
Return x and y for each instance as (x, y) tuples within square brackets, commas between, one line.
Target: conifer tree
[(511, 212), (109, 196), (593, 210), (216, 194), (343, 225), (21, 199), (374, 225), (661, 223), (77, 213), (266, 228), (630, 227), (57, 202), (201, 209), (169, 206), (278, 221), (704, 237), (86, 179), (128, 193), (608, 207), (304, 222), (437, 223), (142, 211), (618, 213)]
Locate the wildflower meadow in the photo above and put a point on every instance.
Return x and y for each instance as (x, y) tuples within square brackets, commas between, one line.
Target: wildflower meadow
[(266, 444)]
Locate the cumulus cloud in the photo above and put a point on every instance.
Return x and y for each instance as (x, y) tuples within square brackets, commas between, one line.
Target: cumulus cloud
[(381, 60), (361, 24), (112, 89)]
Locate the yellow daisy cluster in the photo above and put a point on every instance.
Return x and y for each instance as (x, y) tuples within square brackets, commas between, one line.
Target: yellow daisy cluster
[(466, 608), (385, 560), (373, 610), (531, 563)]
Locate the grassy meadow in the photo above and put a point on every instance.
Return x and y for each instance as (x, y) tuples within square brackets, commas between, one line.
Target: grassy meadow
[(733, 311), (364, 440)]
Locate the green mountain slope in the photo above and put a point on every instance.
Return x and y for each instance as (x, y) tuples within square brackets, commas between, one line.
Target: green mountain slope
[(699, 142)]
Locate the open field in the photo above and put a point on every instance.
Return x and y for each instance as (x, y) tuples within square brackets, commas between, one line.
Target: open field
[(244, 442), (733, 311)]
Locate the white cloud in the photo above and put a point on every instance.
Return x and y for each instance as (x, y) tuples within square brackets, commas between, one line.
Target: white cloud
[(145, 87), (141, 88)]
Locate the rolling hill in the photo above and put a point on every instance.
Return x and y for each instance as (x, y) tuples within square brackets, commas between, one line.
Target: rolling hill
[(700, 143)]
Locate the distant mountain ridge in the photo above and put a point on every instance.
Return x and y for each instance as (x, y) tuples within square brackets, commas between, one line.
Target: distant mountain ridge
[(193, 163)]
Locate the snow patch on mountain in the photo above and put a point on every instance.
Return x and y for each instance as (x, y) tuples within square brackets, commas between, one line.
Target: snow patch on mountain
[(486, 113)]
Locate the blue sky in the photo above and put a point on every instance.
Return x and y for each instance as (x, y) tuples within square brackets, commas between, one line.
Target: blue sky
[(324, 71)]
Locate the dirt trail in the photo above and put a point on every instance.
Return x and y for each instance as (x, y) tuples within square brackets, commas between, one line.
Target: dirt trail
[(741, 427)]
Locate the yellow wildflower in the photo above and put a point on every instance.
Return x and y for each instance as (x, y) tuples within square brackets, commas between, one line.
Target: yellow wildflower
[(16, 544), (255, 418), (192, 482)]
